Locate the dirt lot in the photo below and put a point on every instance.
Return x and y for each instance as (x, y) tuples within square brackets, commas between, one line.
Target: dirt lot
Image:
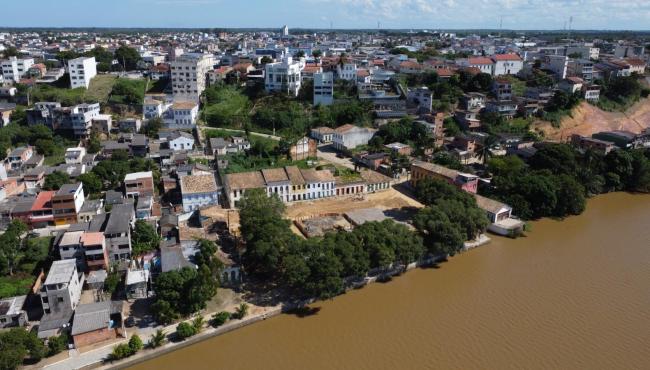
[(588, 119), (388, 199)]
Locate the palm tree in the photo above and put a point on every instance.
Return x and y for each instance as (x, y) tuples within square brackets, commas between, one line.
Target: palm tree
[(485, 153), (157, 339)]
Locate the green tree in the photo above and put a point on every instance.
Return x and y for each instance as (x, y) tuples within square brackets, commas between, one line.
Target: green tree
[(241, 311), (57, 344), (55, 180), (12, 245), (441, 236), (128, 57), (16, 344), (185, 330), (94, 144), (92, 184), (144, 238)]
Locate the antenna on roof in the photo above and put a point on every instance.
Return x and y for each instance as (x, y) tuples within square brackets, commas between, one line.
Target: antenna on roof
[(500, 26)]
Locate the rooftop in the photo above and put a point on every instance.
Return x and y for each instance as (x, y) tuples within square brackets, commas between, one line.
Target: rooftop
[(138, 175), (198, 184), (61, 272)]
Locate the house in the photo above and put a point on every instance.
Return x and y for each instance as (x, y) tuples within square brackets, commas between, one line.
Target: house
[(130, 125), (507, 64), (500, 216), (12, 312), (118, 232), (34, 177), (90, 209), (93, 245), (137, 284), (41, 210), (399, 148), (483, 64), (622, 139), (217, 76), (182, 115), (349, 136), (588, 143), (505, 108), (138, 184), (61, 290), (144, 208), (284, 76), (198, 191), (19, 156), (571, 85), (424, 170), (74, 155), (322, 134), (372, 161), (220, 146), (70, 248), (66, 203), (6, 110), (410, 67), (97, 322), (591, 93), (102, 123), (180, 140), (81, 71), (422, 98), (346, 70), (304, 148)]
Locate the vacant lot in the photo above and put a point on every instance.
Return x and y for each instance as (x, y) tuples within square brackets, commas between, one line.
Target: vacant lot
[(100, 88)]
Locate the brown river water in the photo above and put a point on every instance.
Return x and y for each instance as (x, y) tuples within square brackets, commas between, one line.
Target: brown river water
[(573, 294)]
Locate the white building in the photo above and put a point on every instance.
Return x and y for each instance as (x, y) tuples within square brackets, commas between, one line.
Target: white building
[(199, 191), (507, 64), (284, 76), (180, 140), (62, 288), (585, 51), (82, 70), (14, 69), (347, 72), (556, 63), (189, 75), (182, 115), (350, 136), (75, 155), (324, 88), (81, 118), (285, 30)]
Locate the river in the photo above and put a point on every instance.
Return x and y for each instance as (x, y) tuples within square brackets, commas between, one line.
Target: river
[(573, 294)]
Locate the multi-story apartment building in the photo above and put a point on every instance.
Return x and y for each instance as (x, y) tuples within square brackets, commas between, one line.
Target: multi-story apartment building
[(118, 232), (284, 76), (66, 203), (138, 184), (556, 63), (42, 114), (189, 75), (585, 51), (583, 68), (323, 88), (14, 69), (82, 70), (95, 252), (61, 291)]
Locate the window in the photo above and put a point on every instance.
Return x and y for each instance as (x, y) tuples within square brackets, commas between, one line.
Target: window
[(59, 299)]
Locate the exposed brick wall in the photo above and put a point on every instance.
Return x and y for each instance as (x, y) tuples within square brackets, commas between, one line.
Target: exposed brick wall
[(93, 337)]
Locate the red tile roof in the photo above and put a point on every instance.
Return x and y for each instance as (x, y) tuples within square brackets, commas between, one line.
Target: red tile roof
[(503, 57), (42, 200), (479, 60)]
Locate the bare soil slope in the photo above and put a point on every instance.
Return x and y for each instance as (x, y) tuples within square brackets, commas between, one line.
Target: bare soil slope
[(587, 119)]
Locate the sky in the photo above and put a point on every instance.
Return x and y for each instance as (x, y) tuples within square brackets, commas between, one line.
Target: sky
[(404, 14)]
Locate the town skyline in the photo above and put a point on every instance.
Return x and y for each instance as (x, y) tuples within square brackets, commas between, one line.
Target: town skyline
[(342, 14)]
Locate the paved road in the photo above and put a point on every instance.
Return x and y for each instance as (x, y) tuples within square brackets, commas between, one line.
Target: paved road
[(329, 154)]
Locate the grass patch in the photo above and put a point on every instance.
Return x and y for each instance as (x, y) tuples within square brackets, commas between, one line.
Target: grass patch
[(19, 284), (100, 87), (54, 160), (128, 91)]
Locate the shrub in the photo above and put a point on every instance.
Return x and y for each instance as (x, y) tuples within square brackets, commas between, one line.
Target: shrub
[(57, 344), (157, 339), (120, 351), (241, 311), (135, 343), (185, 330), (198, 323), (220, 318)]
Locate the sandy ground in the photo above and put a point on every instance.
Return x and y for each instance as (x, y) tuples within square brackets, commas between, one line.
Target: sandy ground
[(588, 119), (388, 199)]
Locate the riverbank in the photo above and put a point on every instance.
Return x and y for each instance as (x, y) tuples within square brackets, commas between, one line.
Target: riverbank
[(148, 354), (571, 294)]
